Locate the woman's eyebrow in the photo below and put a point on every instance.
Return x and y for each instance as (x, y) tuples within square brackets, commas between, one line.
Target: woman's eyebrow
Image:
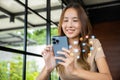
[(75, 18), (65, 18), (72, 18)]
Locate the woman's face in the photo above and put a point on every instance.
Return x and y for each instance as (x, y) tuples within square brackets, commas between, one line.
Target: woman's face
[(71, 24)]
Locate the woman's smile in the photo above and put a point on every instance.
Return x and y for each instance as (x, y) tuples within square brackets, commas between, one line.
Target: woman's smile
[(70, 31)]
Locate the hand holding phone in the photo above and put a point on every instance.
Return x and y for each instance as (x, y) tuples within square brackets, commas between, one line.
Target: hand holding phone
[(59, 42)]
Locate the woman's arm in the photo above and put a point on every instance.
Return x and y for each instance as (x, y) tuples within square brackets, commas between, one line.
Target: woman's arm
[(76, 73), (49, 59), (103, 74), (44, 75)]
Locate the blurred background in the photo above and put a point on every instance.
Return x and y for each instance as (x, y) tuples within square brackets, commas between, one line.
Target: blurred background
[(26, 27)]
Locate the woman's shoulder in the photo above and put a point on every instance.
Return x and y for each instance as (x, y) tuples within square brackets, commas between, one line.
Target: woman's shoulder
[(97, 48), (95, 41)]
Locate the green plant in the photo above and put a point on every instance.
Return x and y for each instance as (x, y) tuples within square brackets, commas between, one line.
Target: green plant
[(12, 70), (39, 35), (3, 71)]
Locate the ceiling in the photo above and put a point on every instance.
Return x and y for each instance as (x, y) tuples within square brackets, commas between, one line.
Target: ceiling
[(12, 13)]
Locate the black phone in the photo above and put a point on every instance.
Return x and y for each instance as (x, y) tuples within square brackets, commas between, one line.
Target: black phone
[(59, 42)]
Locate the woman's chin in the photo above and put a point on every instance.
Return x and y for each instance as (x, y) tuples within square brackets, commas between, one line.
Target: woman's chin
[(70, 36)]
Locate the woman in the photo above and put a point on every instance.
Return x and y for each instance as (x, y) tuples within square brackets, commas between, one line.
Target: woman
[(85, 59)]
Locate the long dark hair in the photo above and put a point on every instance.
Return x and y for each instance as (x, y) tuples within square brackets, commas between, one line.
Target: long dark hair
[(86, 30)]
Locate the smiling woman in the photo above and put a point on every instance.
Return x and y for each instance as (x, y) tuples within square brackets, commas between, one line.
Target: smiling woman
[(85, 50), (85, 55), (71, 23)]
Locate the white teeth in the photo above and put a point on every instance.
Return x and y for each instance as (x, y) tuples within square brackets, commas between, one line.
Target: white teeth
[(69, 30)]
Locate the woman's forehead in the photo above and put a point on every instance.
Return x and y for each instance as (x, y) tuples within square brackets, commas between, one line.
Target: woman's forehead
[(71, 12)]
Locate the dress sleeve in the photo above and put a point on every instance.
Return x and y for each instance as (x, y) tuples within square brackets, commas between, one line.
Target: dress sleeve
[(98, 49)]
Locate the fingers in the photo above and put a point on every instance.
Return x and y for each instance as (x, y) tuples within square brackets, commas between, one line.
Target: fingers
[(63, 53), (60, 58), (62, 63), (47, 50), (69, 57), (44, 53), (65, 50), (68, 51)]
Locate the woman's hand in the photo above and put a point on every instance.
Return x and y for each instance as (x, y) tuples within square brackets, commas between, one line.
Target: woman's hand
[(49, 58), (68, 62)]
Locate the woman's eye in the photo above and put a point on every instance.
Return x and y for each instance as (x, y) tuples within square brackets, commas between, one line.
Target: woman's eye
[(75, 20), (65, 20)]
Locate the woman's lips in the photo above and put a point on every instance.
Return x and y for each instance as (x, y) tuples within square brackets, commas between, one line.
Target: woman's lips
[(70, 31)]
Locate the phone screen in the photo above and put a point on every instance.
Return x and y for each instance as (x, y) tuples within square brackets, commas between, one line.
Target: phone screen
[(59, 42)]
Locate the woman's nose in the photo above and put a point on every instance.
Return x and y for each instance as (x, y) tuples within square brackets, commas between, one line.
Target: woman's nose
[(69, 24)]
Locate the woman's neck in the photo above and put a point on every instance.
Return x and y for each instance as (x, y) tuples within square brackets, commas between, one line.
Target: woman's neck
[(74, 47), (74, 42)]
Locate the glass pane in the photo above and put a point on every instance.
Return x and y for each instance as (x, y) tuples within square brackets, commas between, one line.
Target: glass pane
[(11, 66), (10, 23), (34, 67), (39, 37)]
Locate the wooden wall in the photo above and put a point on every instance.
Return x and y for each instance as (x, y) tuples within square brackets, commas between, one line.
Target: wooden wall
[(109, 35)]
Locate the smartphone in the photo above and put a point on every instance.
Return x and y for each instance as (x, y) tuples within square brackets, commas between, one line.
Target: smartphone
[(59, 42)]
